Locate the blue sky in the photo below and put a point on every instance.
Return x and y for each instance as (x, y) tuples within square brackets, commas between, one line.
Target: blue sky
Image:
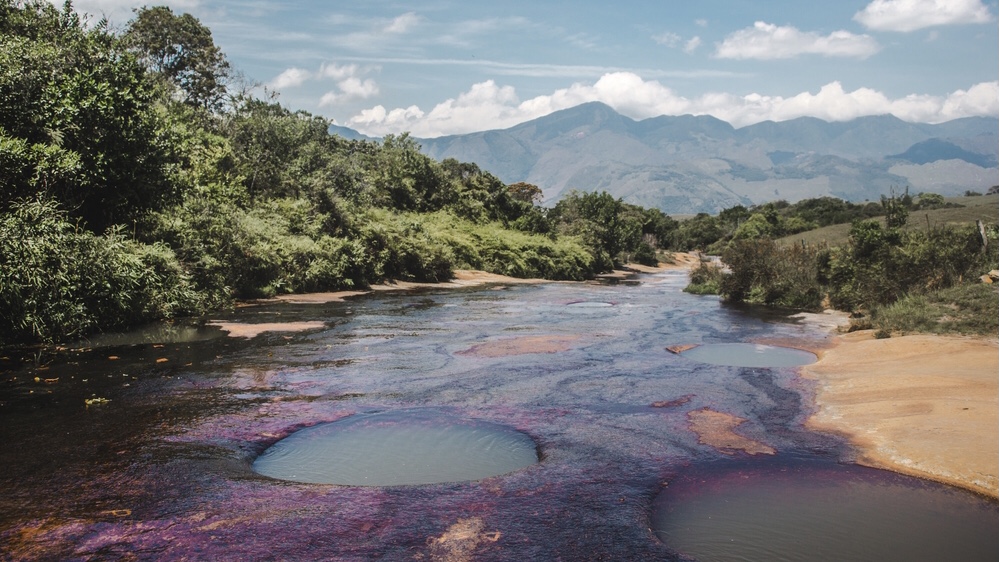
[(450, 66)]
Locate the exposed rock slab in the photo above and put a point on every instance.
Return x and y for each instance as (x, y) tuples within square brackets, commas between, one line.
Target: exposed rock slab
[(717, 429), (921, 405)]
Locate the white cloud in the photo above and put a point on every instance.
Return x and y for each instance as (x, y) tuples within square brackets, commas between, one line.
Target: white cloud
[(668, 39), (349, 84), (692, 44), (350, 89), (290, 78), (337, 72), (769, 41), (403, 23), (672, 40), (701, 22), (377, 119), (910, 15), (490, 106)]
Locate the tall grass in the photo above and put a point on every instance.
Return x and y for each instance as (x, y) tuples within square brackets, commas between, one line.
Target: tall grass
[(58, 281), (964, 309)]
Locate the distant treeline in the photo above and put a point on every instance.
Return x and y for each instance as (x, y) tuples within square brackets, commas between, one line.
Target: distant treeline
[(776, 219)]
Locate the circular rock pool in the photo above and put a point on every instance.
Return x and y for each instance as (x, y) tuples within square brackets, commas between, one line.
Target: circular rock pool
[(749, 355), (398, 448), (778, 511), (586, 305)]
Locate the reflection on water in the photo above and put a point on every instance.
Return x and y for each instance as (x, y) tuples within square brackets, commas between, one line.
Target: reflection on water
[(397, 448), (157, 333), (749, 355), (777, 511), (162, 468)]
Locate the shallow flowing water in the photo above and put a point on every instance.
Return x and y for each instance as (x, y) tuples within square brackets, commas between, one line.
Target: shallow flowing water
[(749, 355), (144, 447)]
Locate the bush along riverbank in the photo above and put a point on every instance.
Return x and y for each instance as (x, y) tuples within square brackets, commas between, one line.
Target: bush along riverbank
[(893, 279)]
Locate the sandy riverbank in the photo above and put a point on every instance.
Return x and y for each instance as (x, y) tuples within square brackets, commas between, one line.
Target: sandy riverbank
[(473, 278), (922, 405)]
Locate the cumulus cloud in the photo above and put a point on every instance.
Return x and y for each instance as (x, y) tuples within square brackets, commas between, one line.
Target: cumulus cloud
[(290, 78), (487, 105), (338, 72), (350, 89), (910, 15), (769, 41)]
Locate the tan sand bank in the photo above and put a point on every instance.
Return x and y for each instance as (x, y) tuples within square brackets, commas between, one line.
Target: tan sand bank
[(462, 278), (243, 330), (922, 405), (470, 278)]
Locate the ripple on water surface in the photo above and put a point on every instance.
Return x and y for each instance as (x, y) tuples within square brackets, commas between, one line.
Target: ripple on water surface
[(398, 448), (823, 511), (749, 355)]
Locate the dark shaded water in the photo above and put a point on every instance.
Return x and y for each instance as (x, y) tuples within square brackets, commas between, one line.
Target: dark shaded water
[(159, 464), (788, 509)]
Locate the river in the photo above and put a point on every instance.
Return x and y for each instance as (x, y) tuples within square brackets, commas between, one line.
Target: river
[(142, 446)]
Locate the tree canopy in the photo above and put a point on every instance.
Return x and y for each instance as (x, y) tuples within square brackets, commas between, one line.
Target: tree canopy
[(181, 50)]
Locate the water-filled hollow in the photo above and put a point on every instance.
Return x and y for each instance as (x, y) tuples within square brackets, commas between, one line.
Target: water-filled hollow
[(749, 355), (809, 510), (398, 448)]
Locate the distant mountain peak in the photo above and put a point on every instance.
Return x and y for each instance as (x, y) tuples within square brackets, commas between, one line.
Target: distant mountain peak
[(935, 149), (698, 163)]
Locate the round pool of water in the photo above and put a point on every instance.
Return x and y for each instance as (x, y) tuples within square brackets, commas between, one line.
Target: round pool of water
[(749, 355), (397, 448), (823, 511), (589, 304)]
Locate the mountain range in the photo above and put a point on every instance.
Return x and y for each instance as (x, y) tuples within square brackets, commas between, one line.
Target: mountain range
[(689, 164)]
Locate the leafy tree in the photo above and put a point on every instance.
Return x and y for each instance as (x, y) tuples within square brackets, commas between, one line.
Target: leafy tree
[(407, 180), (699, 232), (896, 209), (526, 192), (600, 220), (77, 118), (181, 50)]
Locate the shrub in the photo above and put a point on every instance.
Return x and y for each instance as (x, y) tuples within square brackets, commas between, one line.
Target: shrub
[(705, 279), (645, 255), (882, 265), (764, 272), (60, 281)]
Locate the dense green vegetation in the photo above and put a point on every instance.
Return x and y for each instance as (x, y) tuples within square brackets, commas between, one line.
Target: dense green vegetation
[(894, 277), (139, 180)]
